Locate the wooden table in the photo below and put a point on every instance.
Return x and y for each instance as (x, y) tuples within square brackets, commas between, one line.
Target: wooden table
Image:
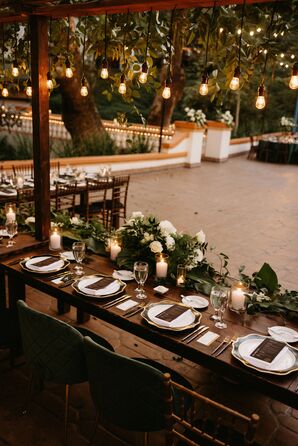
[(283, 388)]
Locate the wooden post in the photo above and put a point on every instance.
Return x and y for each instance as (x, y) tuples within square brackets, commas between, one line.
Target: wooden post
[(40, 121)]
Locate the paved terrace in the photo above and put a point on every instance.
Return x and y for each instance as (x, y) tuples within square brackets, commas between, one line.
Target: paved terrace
[(248, 210)]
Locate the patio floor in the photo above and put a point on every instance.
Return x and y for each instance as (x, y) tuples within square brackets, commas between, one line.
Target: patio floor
[(249, 211)]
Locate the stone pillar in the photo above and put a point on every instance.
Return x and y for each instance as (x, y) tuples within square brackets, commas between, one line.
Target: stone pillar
[(193, 142), (218, 142)]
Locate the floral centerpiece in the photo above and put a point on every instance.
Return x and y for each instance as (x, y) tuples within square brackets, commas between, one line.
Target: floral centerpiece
[(196, 116), (287, 123), (226, 118)]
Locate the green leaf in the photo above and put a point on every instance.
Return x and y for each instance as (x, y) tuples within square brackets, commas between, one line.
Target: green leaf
[(267, 278)]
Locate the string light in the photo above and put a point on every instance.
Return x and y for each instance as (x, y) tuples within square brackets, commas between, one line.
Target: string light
[(220, 30), (282, 55), (251, 33), (261, 101), (84, 89), (235, 82), (122, 86), (239, 32), (5, 92), (29, 88), (275, 35), (281, 64), (293, 84), (104, 73), (203, 89), (68, 71), (265, 51), (259, 30), (15, 68), (143, 77), (166, 93), (292, 56)]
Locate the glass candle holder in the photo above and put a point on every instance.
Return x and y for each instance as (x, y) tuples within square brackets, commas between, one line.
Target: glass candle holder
[(115, 248), (55, 242), (161, 265), (238, 299), (181, 275), (10, 212)]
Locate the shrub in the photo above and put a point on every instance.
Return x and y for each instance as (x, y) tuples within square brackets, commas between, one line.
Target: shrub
[(139, 144), (96, 145)]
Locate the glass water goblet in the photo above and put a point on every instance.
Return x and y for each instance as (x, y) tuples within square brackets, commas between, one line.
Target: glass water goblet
[(11, 228), (219, 299), (140, 270), (79, 250)]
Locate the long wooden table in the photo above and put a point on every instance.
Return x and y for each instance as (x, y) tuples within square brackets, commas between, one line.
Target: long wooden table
[(283, 388)]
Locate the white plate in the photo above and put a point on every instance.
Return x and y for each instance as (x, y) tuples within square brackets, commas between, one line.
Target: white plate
[(187, 319), (110, 289), (123, 274), (68, 255), (283, 334), (56, 266), (194, 301)]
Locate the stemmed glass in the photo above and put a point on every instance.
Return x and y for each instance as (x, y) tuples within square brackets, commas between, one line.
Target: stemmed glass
[(12, 229), (219, 300), (79, 250), (140, 270)]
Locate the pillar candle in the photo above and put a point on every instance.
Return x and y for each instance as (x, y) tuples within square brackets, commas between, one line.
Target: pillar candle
[(55, 241), (161, 268), (10, 216), (115, 249), (238, 299)]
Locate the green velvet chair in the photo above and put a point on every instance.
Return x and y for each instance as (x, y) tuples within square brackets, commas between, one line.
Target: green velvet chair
[(133, 394), (10, 336), (54, 350)]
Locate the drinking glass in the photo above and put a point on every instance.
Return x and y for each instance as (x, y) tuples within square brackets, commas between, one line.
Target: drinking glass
[(140, 270), (79, 250), (12, 229), (219, 300)]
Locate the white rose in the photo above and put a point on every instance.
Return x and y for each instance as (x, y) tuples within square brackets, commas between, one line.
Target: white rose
[(155, 247), (136, 214), (29, 220), (170, 242), (148, 237), (198, 255), (166, 228), (75, 221), (201, 236)]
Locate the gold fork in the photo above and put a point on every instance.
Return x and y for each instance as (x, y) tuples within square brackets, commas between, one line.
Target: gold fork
[(226, 339)]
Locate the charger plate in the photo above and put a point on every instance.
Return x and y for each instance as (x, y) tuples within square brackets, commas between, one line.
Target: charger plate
[(76, 286), (24, 264), (156, 308), (250, 342)]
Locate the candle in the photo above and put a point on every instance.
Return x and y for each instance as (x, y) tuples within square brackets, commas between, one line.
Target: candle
[(161, 268), (238, 298), (10, 215), (55, 241), (114, 250), (181, 275), (20, 182), (180, 281)]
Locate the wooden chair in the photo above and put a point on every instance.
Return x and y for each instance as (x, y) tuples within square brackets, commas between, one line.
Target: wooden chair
[(116, 207), (93, 204), (25, 197), (209, 423), (54, 351), (55, 166), (65, 198), (23, 169), (254, 148)]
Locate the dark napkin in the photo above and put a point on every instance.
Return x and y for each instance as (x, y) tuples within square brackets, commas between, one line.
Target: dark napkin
[(171, 313), (101, 283), (45, 262), (267, 350)]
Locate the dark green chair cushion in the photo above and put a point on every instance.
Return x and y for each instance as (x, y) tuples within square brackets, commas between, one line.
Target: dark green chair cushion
[(52, 348), (126, 392)]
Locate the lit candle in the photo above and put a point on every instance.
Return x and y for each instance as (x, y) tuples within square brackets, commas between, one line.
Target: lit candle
[(161, 268), (10, 215), (180, 281), (55, 240), (20, 182), (238, 297), (115, 249)]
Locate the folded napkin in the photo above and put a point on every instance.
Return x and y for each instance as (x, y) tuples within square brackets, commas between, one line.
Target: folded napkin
[(173, 316), (5, 191), (44, 264), (95, 286)]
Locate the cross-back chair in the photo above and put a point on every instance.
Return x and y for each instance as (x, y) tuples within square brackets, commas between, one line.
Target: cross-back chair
[(94, 203), (23, 169), (65, 198), (54, 351), (25, 197), (254, 148), (117, 205), (55, 166)]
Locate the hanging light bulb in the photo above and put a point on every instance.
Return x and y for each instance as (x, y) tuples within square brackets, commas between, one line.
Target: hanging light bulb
[(261, 102), (5, 92), (293, 84), (235, 82), (122, 86), (50, 83), (104, 73), (29, 88), (203, 90), (143, 77), (84, 88), (15, 69), (68, 71), (166, 92)]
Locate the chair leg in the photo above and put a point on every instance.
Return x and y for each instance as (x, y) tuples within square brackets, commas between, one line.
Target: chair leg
[(146, 438), (95, 429), (28, 397), (66, 413)]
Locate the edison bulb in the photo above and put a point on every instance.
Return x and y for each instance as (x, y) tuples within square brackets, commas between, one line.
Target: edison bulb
[(84, 90), (260, 102), (29, 91), (203, 90), (104, 74), (143, 77), (69, 73), (50, 84), (235, 83), (166, 93), (293, 84), (5, 92), (122, 88), (15, 71)]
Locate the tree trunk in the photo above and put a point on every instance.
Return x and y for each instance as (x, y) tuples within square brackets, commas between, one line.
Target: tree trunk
[(178, 82)]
